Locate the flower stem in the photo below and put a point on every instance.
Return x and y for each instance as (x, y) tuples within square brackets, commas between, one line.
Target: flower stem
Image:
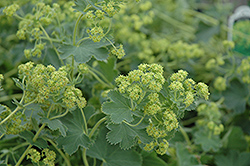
[(96, 126), (75, 29), (61, 153), (183, 132), (85, 122), (85, 161)]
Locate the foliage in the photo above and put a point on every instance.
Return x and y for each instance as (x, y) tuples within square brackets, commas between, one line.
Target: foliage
[(123, 82)]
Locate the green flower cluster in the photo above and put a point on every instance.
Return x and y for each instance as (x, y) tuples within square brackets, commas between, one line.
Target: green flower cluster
[(146, 78), (184, 51), (185, 89), (16, 124), (211, 116), (48, 156), (10, 10), (244, 70), (46, 85), (220, 83)]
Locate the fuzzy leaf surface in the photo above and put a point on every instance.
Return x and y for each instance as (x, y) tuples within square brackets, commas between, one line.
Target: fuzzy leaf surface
[(233, 158), (184, 157), (150, 159), (235, 96), (56, 124), (118, 108), (112, 155), (127, 135), (28, 136), (234, 139), (85, 51), (213, 143), (75, 136)]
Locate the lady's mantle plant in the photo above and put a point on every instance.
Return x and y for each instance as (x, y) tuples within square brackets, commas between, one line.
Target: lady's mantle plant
[(145, 108)]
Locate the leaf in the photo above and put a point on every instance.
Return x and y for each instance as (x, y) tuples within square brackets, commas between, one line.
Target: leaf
[(85, 51), (89, 111), (235, 96), (233, 158), (118, 108), (18, 83), (150, 159), (55, 124), (2, 109), (108, 69), (113, 155), (127, 135), (28, 136), (75, 135), (184, 157), (207, 142), (234, 139)]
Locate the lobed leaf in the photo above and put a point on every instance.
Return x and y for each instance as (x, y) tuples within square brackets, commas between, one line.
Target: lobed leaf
[(75, 136), (112, 155), (126, 135), (56, 124), (85, 51), (28, 136), (118, 108)]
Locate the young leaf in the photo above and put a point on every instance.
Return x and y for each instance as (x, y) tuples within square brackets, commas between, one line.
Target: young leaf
[(18, 83), (126, 135), (75, 135), (28, 136), (207, 143), (235, 96), (86, 50), (112, 155), (55, 124), (233, 158), (184, 157), (108, 68), (119, 108), (150, 159), (234, 139)]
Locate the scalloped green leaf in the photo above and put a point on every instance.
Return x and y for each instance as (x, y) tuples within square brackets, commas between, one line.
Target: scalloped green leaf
[(207, 143), (75, 135), (86, 50), (112, 155), (233, 158), (56, 124), (28, 136), (118, 108), (127, 135)]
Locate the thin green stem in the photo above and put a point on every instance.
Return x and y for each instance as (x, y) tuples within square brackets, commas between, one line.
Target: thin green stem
[(10, 73), (96, 126), (11, 114), (183, 132), (23, 155), (101, 75), (51, 42), (1, 136), (6, 98), (85, 122), (134, 125), (59, 116), (34, 140), (79, 42), (75, 28), (98, 79), (190, 121), (20, 145), (94, 161), (61, 153), (51, 39), (84, 157)]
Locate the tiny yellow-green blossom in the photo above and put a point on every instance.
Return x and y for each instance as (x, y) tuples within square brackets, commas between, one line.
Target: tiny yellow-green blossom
[(220, 83), (202, 90), (34, 155), (10, 10)]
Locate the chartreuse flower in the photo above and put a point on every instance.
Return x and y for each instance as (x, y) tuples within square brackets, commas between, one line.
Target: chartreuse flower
[(45, 83)]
